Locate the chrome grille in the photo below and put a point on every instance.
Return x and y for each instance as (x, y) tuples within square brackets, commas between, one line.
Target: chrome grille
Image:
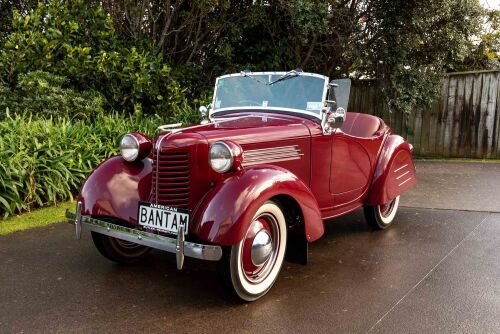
[(171, 181)]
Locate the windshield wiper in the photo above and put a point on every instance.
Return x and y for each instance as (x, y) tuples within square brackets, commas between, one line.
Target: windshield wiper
[(247, 74), (287, 75)]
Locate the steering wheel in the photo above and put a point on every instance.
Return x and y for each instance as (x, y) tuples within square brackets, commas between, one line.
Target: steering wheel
[(249, 102)]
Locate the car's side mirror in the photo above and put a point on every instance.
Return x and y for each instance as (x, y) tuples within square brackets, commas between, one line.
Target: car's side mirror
[(337, 100), (336, 118), (203, 111)]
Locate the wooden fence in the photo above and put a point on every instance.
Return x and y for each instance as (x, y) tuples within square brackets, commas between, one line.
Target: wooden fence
[(463, 123)]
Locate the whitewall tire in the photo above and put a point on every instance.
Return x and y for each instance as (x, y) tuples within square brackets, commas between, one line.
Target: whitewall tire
[(381, 216), (251, 267)]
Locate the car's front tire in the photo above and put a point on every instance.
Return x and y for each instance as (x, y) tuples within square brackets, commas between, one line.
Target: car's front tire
[(382, 216), (250, 268), (119, 251)]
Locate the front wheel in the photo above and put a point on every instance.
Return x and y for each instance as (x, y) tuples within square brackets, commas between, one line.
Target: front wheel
[(118, 250), (251, 267), (381, 216)]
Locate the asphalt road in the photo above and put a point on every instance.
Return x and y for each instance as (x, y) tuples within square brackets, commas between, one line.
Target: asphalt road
[(436, 271)]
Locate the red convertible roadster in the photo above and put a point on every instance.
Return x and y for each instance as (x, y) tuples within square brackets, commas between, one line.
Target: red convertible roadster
[(276, 155)]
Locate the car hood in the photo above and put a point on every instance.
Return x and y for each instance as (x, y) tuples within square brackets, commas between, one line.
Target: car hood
[(250, 129)]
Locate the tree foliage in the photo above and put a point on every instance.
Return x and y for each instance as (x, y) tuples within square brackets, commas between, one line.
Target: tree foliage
[(486, 50), (44, 94), (404, 45), (78, 42)]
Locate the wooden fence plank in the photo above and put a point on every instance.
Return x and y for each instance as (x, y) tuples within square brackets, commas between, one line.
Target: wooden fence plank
[(436, 123), (458, 110), (447, 118), (417, 132), (464, 144), (476, 114), (490, 115), (482, 132), (424, 132), (497, 117)]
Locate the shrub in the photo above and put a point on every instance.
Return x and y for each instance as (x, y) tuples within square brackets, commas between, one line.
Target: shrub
[(76, 40), (41, 93), (45, 160)]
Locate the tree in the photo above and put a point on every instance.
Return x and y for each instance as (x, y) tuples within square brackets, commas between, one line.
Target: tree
[(6, 8), (486, 49), (77, 41), (404, 45)]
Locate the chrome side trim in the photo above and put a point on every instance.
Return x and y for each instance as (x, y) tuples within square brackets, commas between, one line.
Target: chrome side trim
[(397, 170), (408, 179), (271, 154), (292, 110), (172, 245), (400, 176), (272, 149)]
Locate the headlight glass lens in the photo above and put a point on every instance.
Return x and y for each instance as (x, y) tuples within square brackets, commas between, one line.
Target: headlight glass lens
[(221, 157), (129, 147)]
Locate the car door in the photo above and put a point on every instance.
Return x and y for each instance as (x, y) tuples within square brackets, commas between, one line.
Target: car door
[(350, 169), (350, 163)]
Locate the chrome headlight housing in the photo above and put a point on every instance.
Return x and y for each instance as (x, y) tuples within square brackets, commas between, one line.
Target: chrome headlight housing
[(135, 146), (221, 157), (129, 147)]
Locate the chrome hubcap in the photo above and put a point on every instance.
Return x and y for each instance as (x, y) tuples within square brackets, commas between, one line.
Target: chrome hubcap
[(258, 253), (262, 248), (386, 209)]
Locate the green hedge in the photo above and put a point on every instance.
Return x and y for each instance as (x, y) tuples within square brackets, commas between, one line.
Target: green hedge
[(44, 94), (76, 41), (45, 160)]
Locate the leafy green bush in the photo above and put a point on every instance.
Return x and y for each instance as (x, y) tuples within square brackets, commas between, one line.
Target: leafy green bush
[(41, 93), (45, 160), (76, 40)]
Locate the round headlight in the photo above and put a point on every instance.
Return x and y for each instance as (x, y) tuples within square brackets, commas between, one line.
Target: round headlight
[(129, 147), (220, 157), (135, 146)]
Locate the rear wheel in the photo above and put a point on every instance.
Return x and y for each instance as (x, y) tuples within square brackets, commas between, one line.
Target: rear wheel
[(118, 250), (381, 216), (251, 267)]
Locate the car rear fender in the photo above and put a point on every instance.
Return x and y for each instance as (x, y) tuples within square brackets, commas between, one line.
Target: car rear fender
[(394, 172), (227, 210)]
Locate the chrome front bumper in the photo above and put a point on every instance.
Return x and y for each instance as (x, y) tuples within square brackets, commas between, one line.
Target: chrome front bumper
[(173, 245)]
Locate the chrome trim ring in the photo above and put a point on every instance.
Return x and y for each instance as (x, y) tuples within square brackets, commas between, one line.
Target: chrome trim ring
[(137, 149), (230, 153), (264, 269)]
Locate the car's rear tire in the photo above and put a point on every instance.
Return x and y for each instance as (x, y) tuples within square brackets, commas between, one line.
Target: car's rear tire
[(382, 216), (250, 268), (119, 251)]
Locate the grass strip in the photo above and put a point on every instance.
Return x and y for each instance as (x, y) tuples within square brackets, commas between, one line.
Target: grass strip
[(36, 218)]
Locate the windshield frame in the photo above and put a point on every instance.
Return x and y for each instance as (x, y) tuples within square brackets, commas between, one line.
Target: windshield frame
[(317, 116)]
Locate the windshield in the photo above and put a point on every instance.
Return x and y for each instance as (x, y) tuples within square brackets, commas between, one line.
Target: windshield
[(304, 92)]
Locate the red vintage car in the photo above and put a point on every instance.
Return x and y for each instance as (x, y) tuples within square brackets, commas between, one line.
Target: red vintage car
[(252, 184)]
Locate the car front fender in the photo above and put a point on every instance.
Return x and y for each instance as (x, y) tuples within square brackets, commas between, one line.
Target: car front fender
[(394, 172), (228, 209), (115, 188)]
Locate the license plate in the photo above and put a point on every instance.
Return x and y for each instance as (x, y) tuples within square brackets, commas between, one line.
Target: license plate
[(162, 218)]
